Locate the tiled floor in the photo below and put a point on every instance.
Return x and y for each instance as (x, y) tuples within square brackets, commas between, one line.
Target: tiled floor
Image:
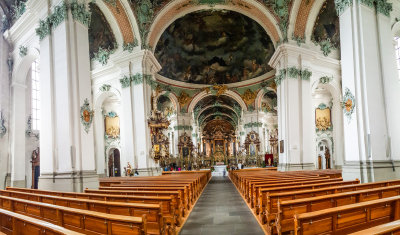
[(221, 210)]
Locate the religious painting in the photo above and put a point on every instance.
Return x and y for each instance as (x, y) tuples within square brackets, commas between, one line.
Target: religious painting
[(281, 146), (327, 25), (252, 149), (100, 33), (164, 105), (269, 103), (185, 151), (323, 119), (214, 47), (112, 125)]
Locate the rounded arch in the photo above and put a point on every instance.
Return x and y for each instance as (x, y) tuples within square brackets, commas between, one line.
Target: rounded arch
[(260, 96), (312, 18), (23, 65), (101, 96), (327, 141), (213, 114), (252, 9), (204, 94), (333, 87), (211, 106), (396, 29), (132, 20), (173, 99)]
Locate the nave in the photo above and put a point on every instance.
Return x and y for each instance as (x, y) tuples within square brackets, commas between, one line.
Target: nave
[(221, 210)]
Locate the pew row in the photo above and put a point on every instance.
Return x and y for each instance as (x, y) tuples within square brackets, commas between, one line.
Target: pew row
[(349, 218), (83, 221), (155, 220), (17, 224)]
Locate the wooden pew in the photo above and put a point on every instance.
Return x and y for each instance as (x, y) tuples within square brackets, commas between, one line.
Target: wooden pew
[(287, 209), (155, 220), (182, 203), (392, 228), (349, 218), (14, 223), (83, 221), (271, 209), (182, 190), (170, 206), (263, 192)]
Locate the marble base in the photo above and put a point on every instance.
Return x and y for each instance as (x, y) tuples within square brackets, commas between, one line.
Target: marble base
[(69, 182), (295, 167), (371, 171)]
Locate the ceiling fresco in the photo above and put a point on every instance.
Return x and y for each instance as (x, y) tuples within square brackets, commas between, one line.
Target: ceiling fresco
[(214, 47), (100, 33), (327, 25)]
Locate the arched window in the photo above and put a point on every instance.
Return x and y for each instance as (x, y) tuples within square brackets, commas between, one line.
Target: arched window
[(35, 95), (397, 50)]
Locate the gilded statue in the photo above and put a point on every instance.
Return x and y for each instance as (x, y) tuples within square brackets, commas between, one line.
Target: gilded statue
[(249, 96)]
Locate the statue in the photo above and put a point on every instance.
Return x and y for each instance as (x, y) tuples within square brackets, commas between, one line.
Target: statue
[(327, 158), (128, 170)]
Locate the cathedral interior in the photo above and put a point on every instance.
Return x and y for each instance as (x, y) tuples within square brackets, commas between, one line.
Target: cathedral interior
[(93, 89)]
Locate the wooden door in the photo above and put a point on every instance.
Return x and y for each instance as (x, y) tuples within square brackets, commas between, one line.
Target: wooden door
[(117, 163)]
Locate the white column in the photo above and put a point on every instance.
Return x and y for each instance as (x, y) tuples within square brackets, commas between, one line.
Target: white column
[(66, 78), (18, 160), (372, 133), (295, 114)]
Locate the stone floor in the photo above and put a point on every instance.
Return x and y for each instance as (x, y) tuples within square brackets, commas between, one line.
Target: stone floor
[(221, 210)]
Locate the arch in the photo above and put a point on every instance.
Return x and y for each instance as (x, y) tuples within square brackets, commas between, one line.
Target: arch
[(213, 114), (329, 144), (132, 20), (22, 67), (333, 87), (396, 29), (101, 96), (211, 106), (204, 94), (312, 18), (173, 99), (176, 9), (303, 16)]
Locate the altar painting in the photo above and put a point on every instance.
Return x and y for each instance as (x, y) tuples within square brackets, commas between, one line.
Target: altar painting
[(112, 126), (323, 119)]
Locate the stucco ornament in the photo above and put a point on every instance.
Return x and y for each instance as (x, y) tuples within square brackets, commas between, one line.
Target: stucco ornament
[(23, 51), (342, 5), (183, 99), (348, 103), (105, 87), (249, 97), (86, 115)]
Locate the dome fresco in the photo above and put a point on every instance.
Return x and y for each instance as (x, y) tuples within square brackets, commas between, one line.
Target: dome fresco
[(214, 47)]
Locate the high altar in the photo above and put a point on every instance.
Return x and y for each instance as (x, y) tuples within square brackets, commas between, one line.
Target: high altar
[(219, 143)]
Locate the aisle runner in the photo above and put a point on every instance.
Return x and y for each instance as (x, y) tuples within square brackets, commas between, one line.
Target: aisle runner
[(221, 210)]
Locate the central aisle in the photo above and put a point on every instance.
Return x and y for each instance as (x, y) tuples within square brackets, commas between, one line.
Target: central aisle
[(221, 210)]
